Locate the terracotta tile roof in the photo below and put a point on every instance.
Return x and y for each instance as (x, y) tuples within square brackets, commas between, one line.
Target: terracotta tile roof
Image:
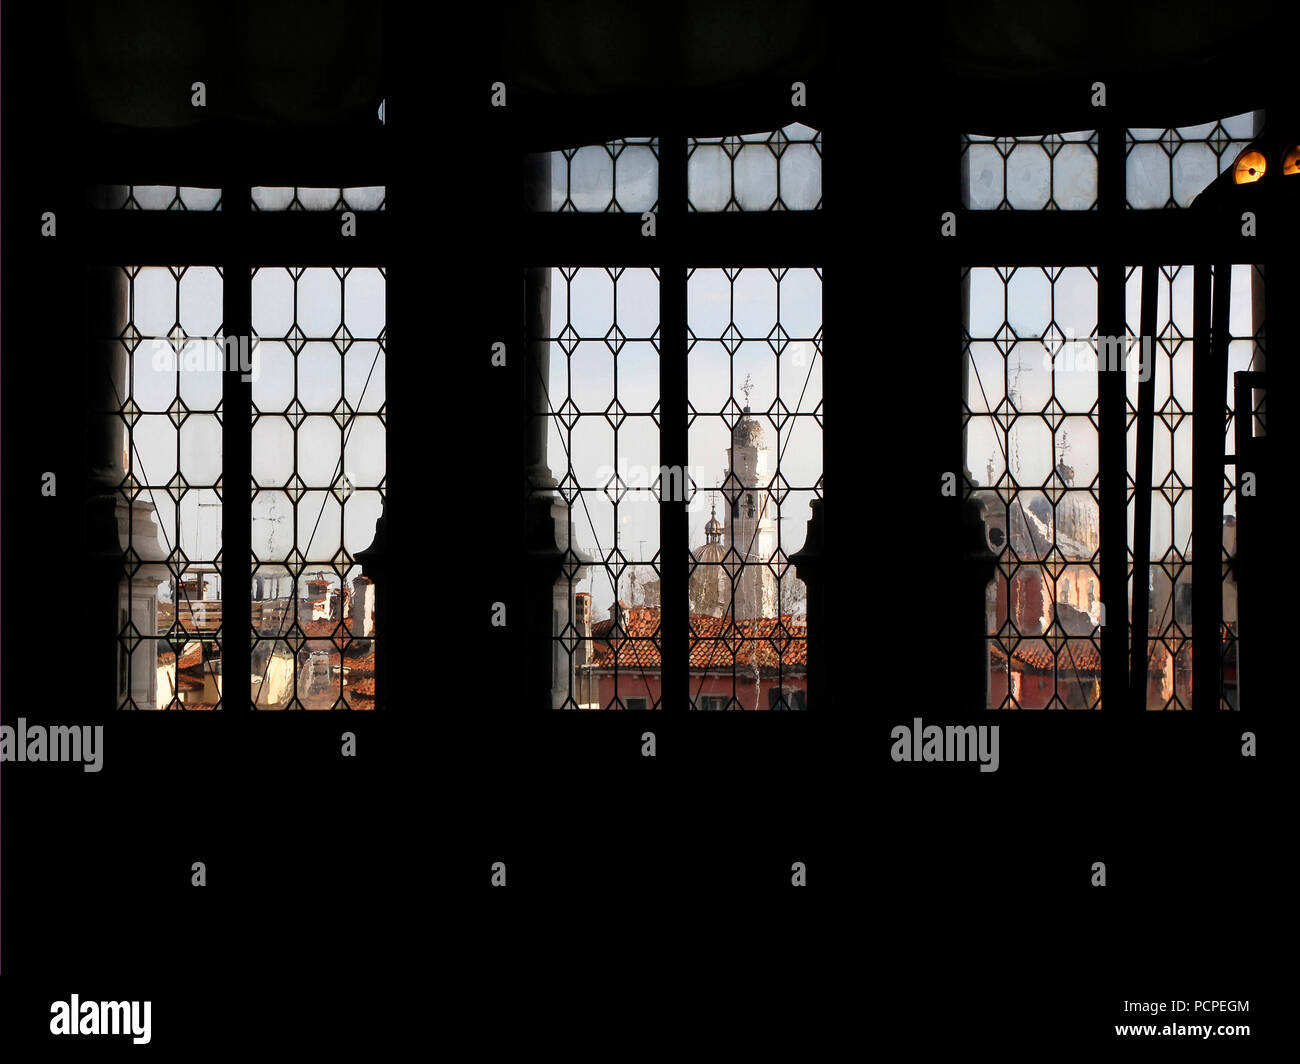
[(325, 629), (716, 643), (1077, 655), (1082, 655), (189, 659)]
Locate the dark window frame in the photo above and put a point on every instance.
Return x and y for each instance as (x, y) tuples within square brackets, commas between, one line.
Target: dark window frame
[(237, 239), (1111, 238), (684, 240)]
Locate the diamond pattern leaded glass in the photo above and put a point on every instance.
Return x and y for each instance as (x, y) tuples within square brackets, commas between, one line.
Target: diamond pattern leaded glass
[(165, 361), (617, 176), (1054, 172), (1169, 684), (1245, 352), (1030, 419), (155, 198), (1169, 623), (287, 198), (780, 170), (318, 483), (754, 365), (1168, 168), (599, 376)]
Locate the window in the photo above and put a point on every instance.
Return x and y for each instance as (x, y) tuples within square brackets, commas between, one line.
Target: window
[(779, 170), (1032, 447), (1053, 172), (163, 373), (318, 483), (293, 358), (754, 380), (155, 198), (675, 464), (266, 198), (618, 176), (1168, 168), (1060, 363)]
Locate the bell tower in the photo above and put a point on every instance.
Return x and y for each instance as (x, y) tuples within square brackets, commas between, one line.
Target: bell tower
[(751, 520)]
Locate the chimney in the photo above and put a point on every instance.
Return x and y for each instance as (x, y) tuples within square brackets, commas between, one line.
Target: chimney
[(582, 621), (362, 607)]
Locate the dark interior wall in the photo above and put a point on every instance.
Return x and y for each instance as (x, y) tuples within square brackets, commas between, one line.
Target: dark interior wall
[(294, 94)]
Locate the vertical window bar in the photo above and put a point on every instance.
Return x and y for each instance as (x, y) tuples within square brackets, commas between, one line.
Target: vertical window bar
[(1209, 392), (673, 445), (1112, 445), (236, 499), (1142, 495)]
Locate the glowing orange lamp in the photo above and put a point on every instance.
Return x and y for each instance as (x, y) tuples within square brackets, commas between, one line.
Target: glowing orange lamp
[(1250, 167)]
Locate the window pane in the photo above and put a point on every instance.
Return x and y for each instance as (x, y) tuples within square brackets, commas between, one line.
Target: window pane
[(598, 368), (155, 198), (755, 448), (1171, 167), (1031, 452), (166, 364), (1057, 171), (777, 170), (287, 198), (1245, 352), (319, 467), (620, 175), (1169, 619)]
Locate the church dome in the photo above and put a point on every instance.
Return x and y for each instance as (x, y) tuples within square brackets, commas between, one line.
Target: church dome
[(710, 585), (713, 527), (710, 553), (1077, 518)]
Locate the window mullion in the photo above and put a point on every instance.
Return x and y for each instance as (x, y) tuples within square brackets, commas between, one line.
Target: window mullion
[(1209, 398), (1112, 443), (1142, 499), (236, 442), (673, 434)]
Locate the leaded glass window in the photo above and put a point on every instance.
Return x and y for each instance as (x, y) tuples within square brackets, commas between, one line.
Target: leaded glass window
[(1031, 449), (155, 198), (601, 408), (779, 170), (290, 198), (1036, 396), (617, 176), (1055, 172), (318, 481), (601, 481), (1170, 167), (755, 407), (165, 361)]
